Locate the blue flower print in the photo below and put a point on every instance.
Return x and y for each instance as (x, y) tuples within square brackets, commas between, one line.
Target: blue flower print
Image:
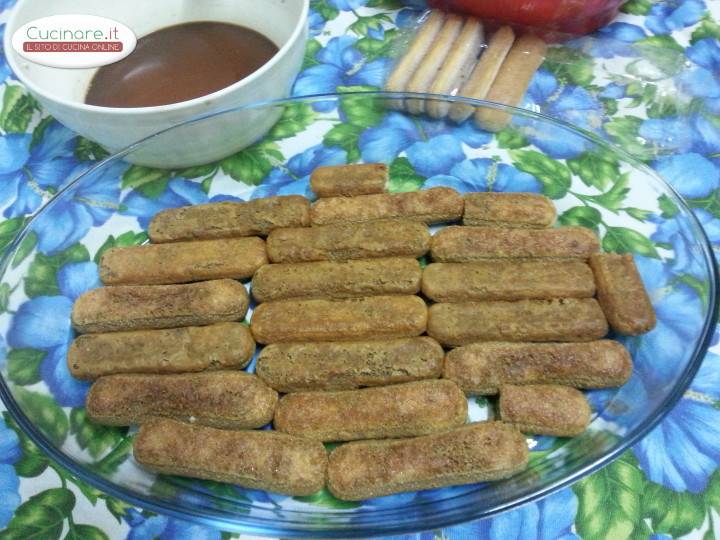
[(550, 519), (43, 323), (679, 312), (432, 147), (264, 497), (665, 17), (693, 175), (376, 33), (316, 22), (683, 134), (5, 71), (682, 452), (6, 4), (419, 5), (28, 173), (179, 192), (615, 39), (347, 5), (484, 174), (614, 91), (166, 528), (570, 103), (670, 134), (703, 80), (293, 179), (676, 233), (9, 482), (706, 136), (407, 18), (89, 204), (339, 64)]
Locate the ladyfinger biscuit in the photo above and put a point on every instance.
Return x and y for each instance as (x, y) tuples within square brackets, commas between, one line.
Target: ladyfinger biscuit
[(512, 81), (337, 279), (390, 238), (560, 319), (349, 180), (480, 80), (222, 399), (545, 409), (253, 459), (466, 244), (373, 317), (414, 56), (429, 68), (137, 307), (458, 65), (503, 279), (435, 205), (402, 410), (183, 262), (171, 350), (229, 219), (482, 368), (346, 365), (523, 210), (621, 294), (476, 452)]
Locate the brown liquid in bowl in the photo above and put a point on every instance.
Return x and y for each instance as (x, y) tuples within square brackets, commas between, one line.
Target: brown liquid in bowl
[(179, 63)]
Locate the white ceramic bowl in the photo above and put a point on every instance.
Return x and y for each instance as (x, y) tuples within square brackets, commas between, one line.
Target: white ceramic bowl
[(62, 91)]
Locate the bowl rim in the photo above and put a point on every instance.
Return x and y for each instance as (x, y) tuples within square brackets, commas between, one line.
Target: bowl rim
[(298, 529), (11, 26)]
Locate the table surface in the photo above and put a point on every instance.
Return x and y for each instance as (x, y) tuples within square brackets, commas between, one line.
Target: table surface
[(668, 485)]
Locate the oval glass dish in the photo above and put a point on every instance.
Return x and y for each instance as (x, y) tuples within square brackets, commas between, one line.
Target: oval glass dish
[(54, 260)]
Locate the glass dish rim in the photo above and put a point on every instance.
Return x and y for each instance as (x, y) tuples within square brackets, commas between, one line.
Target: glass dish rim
[(262, 526)]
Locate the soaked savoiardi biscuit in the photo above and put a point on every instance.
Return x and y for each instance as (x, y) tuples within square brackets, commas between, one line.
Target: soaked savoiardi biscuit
[(562, 319), (183, 262), (337, 279), (482, 368), (435, 205), (229, 219), (403, 410), (370, 240), (472, 453), (545, 409), (349, 180), (507, 280), (621, 294), (137, 307), (374, 317), (466, 244), (346, 365), (521, 210), (252, 459), (171, 350), (222, 399)]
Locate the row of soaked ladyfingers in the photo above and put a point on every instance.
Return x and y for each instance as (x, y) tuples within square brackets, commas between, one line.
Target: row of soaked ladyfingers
[(357, 470), (449, 56), (324, 400)]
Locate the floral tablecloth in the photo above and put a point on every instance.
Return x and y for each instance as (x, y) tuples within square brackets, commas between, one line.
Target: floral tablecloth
[(649, 82)]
